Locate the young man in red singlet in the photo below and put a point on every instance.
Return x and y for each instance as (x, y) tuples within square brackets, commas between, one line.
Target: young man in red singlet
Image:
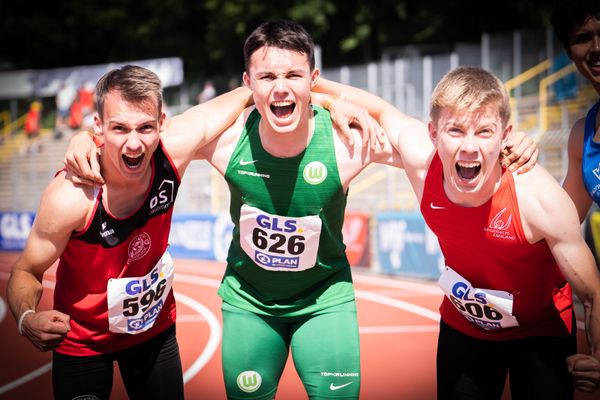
[(512, 244), (113, 299)]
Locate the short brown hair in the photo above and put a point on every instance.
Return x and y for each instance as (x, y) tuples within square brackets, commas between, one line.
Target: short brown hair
[(282, 34), (470, 88), (136, 84), (571, 14)]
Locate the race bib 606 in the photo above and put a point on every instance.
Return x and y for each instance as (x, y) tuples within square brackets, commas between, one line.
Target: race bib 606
[(279, 243), (486, 308), (134, 303)]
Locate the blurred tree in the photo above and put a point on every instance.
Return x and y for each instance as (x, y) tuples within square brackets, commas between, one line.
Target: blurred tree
[(209, 34)]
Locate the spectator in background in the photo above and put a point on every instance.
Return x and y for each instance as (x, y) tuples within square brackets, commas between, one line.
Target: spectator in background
[(32, 127), (207, 93), (64, 99), (86, 99)]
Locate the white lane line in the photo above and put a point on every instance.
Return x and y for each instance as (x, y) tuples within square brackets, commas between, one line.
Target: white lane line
[(205, 314), (394, 283), (399, 329), (400, 304), (213, 340), (26, 378), (2, 309), (197, 280), (189, 317)]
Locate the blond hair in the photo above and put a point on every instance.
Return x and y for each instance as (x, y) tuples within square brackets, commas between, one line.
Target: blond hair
[(470, 89)]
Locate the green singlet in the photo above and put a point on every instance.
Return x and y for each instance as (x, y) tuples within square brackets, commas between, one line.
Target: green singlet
[(288, 283), (305, 185)]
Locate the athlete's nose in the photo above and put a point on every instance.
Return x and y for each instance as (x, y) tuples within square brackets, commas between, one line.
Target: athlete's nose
[(134, 144), (281, 85)]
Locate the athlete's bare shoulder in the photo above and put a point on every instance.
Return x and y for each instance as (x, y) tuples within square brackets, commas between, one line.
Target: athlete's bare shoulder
[(219, 150), (67, 203)]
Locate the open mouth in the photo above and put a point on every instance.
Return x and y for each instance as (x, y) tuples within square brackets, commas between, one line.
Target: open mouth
[(283, 109), (468, 170), (133, 162)]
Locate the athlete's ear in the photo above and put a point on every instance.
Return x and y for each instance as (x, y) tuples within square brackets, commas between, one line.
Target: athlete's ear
[(506, 132), (314, 76), (246, 79), (432, 133), (97, 124)]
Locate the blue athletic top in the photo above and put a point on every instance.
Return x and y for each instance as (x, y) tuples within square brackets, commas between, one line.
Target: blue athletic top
[(591, 156)]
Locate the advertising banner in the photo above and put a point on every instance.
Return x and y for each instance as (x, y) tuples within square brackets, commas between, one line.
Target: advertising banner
[(406, 246)]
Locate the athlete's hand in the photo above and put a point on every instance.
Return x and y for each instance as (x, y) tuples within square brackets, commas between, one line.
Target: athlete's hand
[(585, 370), (346, 115), (46, 329), (82, 160), (519, 153)]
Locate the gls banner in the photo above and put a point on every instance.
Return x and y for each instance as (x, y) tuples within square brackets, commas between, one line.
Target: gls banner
[(14, 229), (406, 246)]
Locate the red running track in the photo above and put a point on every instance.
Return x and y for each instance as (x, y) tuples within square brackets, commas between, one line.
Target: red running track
[(398, 321)]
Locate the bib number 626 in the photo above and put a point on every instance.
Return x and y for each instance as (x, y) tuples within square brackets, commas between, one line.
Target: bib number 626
[(277, 242)]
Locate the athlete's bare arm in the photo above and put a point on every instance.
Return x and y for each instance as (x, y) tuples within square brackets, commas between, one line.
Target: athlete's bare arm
[(521, 154), (412, 148), (548, 213), (573, 182), (186, 134), (64, 208)]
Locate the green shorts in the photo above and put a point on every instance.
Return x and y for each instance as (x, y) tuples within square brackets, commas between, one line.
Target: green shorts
[(325, 349)]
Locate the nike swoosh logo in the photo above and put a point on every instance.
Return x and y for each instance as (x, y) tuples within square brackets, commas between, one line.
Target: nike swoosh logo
[(242, 162), (434, 207), (334, 387)]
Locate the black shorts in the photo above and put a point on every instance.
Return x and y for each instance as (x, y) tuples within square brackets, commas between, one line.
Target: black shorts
[(470, 368), (150, 370)]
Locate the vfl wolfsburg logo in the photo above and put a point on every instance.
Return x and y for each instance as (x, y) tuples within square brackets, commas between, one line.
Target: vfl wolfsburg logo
[(249, 381), (315, 172)]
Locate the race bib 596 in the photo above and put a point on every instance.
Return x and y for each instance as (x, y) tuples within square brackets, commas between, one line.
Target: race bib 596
[(134, 303)]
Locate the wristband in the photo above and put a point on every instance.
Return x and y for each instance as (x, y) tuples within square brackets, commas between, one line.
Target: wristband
[(331, 98), (21, 318), (95, 139)]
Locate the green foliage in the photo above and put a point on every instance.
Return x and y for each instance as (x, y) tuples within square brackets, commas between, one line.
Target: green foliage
[(209, 34)]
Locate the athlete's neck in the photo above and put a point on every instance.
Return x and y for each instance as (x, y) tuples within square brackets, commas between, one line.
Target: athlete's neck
[(286, 144), (122, 196)]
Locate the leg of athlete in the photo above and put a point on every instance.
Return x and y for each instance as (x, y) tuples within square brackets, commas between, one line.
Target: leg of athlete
[(254, 352), (152, 370), (89, 377), (469, 368), (326, 351)]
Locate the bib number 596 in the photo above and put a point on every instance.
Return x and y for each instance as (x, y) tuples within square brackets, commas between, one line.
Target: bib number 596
[(133, 305)]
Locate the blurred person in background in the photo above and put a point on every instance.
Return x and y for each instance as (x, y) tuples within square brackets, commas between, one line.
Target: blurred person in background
[(208, 92), (64, 99), (577, 26), (33, 122)]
